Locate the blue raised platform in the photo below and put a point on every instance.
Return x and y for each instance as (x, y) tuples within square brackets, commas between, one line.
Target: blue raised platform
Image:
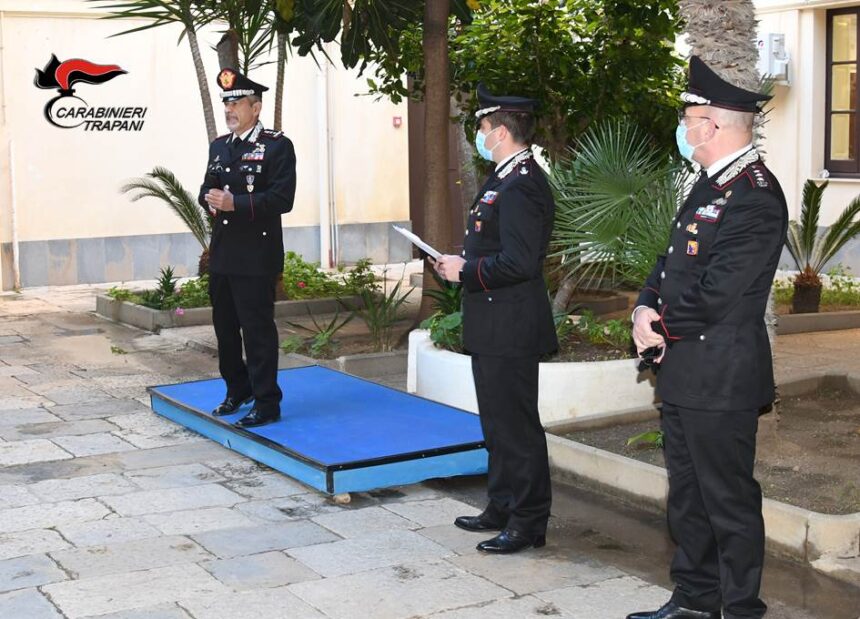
[(338, 433)]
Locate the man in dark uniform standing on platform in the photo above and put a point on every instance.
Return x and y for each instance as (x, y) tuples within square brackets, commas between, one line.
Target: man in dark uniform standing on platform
[(508, 323), (250, 182), (703, 307)]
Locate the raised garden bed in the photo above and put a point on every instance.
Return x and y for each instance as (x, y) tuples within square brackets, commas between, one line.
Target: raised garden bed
[(154, 320), (821, 321), (808, 464)]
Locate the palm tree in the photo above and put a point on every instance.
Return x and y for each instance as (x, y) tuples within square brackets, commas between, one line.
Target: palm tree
[(162, 12), (162, 184), (812, 249)]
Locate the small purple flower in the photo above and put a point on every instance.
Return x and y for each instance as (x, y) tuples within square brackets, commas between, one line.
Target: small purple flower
[(180, 311)]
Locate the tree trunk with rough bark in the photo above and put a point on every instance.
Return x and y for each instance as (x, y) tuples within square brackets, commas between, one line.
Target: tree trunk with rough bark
[(228, 50), (279, 84), (437, 214), (205, 99), (468, 178)]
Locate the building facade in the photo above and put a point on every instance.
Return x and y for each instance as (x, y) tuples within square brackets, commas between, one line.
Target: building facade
[(63, 158)]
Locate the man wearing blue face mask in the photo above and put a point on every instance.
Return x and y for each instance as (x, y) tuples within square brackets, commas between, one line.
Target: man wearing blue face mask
[(507, 322), (703, 306)]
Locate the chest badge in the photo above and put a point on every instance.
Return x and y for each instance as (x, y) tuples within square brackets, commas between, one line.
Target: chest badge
[(711, 213), (489, 197), (692, 248), (477, 225), (250, 180), (693, 228)]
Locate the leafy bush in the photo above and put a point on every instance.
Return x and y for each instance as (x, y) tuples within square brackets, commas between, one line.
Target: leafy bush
[(446, 330), (166, 295), (304, 280), (381, 312), (320, 342), (447, 297), (840, 288), (194, 293), (614, 333), (119, 293)]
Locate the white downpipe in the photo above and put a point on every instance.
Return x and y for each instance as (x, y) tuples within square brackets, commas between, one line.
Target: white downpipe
[(324, 166), (16, 266), (332, 202)]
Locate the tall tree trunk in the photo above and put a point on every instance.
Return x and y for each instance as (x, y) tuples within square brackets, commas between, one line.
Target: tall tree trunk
[(279, 83), (228, 50), (468, 177), (723, 34), (205, 99), (437, 214)]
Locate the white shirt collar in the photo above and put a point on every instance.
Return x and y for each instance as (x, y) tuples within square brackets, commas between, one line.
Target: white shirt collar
[(725, 161), (244, 135), (502, 163)]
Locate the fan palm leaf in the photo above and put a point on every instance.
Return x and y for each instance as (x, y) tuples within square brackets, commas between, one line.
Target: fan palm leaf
[(163, 185)]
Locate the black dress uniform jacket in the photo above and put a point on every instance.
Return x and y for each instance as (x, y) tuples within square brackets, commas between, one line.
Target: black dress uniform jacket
[(260, 172), (506, 310), (711, 290)]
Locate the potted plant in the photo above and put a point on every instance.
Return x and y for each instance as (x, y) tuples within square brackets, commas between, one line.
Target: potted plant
[(811, 249)]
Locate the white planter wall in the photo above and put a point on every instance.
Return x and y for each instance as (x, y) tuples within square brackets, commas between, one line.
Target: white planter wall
[(567, 390)]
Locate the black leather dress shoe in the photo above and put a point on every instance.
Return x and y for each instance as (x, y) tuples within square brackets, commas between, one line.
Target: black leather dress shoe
[(510, 541), (477, 523), (672, 611), (230, 405), (256, 418)]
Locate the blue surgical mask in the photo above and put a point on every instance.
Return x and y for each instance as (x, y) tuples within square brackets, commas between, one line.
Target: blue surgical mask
[(480, 144), (684, 147)]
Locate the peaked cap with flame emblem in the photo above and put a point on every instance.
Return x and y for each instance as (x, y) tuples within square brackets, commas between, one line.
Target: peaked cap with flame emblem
[(234, 85)]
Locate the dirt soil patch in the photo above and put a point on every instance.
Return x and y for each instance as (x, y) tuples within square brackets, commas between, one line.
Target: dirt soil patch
[(809, 458)]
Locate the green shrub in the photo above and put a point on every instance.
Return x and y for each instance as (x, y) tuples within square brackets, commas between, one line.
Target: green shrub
[(446, 330), (610, 332), (839, 288), (194, 293), (304, 280)]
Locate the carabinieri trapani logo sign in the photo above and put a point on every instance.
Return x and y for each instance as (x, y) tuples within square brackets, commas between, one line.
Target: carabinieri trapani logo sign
[(68, 111)]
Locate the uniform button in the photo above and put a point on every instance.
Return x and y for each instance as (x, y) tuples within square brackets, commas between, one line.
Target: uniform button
[(264, 233), (467, 233), (702, 337), (679, 225), (226, 169), (225, 222), (490, 298), (671, 249), (659, 301), (463, 253), (663, 275)]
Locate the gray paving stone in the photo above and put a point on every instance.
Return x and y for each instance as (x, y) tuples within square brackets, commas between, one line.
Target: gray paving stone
[(55, 429), (617, 597), (51, 515), (369, 552), (190, 522), (16, 370), (25, 452), (174, 476), (432, 512), (260, 571), (27, 604), (22, 402), (30, 571), (398, 591), (16, 496), (175, 454), (536, 570), (108, 531), (412, 492), (26, 415), (176, 436), (131, 590), (460, 541), (237, 466), (82, 487), (360, 522), (277, 603), (289, 508), (71, 394), (93, 444), (228, 543), (35, 541), (160, 611), (527, 607), (130, 556), (95, 410), (172, 499), (267, 486)]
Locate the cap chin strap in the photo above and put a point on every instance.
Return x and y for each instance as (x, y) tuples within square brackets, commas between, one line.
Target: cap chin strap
[(236, 93), (689, 97)]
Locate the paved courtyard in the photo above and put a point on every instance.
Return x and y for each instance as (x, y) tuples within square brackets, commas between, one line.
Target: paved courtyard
[(107, 510)]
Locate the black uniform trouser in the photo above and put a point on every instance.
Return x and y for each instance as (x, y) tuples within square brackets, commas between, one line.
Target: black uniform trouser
[(714, 510), (244, 307), (518, 482)]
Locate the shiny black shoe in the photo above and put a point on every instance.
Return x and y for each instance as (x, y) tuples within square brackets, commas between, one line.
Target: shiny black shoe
[(256, 418), (510, 541), (477, 523), (672, 611), (230, 405)]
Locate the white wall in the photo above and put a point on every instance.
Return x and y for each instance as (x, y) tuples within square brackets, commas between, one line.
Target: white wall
[(67, 180)]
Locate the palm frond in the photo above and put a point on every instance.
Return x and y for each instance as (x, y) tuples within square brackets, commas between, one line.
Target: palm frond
[(845, 228), (163, 185)]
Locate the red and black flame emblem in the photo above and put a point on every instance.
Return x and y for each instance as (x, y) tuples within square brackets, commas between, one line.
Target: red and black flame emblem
[(64, 75)]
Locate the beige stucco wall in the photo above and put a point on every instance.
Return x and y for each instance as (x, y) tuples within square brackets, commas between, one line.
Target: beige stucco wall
[(67, 180), (795, 130)]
